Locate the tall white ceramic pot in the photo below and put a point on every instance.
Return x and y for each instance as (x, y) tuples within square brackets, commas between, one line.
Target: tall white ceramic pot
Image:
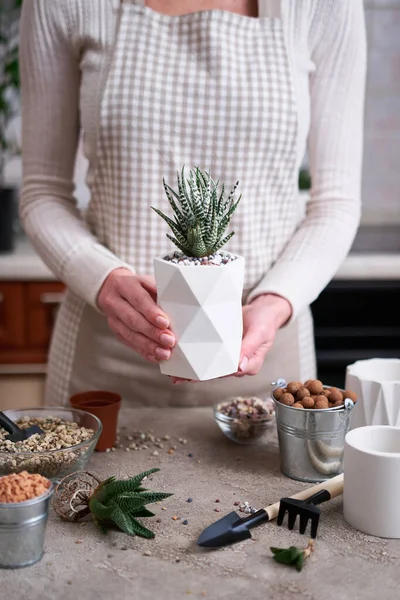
[(376, 382), (204, 304)]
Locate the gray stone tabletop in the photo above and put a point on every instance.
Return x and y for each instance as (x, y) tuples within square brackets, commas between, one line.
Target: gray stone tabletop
[(82, 563)]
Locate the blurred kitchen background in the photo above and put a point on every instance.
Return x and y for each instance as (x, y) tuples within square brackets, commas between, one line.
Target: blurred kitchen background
[(356, 317)]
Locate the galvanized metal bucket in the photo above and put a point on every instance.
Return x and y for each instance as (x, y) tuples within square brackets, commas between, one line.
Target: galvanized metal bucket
[(311, 441), (22, 531)]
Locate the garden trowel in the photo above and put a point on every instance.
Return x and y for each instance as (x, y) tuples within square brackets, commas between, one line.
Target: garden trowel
[(16, 433), (233, 528)]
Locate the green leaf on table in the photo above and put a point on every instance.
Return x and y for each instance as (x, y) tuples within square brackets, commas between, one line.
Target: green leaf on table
[(287, 556), (292, 556)]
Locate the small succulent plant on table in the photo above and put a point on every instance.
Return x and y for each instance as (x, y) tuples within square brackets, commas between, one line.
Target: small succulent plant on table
[(113, 502), (204, 304)]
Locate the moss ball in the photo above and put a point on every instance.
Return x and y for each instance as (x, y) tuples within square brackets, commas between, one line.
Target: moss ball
[(287, 399), (315, 386)]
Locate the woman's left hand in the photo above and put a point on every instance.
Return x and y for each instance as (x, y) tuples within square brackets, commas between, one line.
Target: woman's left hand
[(261, 320)]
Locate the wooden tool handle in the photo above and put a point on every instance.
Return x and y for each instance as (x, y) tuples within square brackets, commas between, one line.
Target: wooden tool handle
[(334, 487)]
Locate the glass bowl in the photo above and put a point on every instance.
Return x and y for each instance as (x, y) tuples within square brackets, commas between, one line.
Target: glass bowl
[(245, 430), (53, 464)]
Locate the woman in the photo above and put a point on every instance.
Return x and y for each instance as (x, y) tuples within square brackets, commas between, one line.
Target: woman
[(234, 86)]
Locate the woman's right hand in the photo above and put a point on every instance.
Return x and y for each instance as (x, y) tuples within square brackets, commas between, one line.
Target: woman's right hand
[(129, 303)]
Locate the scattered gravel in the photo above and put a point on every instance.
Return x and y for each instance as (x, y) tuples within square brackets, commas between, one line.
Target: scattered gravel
[(247, 508)]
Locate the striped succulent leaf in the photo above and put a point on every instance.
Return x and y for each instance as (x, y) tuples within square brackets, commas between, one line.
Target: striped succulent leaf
[(202, 213), (121, 502)]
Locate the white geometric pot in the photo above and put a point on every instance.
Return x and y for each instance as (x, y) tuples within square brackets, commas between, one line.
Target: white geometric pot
[(377, 385), (204, 305)]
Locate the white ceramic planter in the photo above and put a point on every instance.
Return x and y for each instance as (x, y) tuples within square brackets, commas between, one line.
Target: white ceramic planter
[(204, 304), (377, 383), (371, 490)]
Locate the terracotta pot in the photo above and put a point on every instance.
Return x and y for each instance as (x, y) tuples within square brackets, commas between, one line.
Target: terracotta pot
[(105, 406)]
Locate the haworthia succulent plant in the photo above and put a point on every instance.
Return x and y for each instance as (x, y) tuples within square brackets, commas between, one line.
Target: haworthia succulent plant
[(201, 213), (121, 502)]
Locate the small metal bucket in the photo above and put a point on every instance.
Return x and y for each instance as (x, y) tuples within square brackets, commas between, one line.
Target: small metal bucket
[(311, 441), (22, 531)]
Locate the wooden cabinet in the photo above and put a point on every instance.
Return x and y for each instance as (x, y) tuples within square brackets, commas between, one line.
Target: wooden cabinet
[(12, 315), (27, 313)]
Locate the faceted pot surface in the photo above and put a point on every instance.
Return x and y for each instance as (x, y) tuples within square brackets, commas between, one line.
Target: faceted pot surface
[(204, 304)]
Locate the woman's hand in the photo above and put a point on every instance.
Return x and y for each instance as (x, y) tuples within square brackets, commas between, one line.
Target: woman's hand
[(129, 303), (261, 320)]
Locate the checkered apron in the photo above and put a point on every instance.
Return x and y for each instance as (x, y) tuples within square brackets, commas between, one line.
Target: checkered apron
[(211, 89)]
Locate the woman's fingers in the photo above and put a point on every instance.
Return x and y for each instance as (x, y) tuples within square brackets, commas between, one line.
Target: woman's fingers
[(135, 321), (139, 342), (258, 337), (128, 301), (132, 290), (149, 284)]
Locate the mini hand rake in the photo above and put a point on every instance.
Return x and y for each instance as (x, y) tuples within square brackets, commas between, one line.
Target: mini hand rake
[(307, 509), (232, 528)]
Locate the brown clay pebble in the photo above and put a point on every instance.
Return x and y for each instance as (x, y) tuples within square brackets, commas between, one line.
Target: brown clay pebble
[(278, 393), (351, 395), (320, 398), (308, 402), (287, 399), (315, 386), (322, 404), (336, 395), (293, 387), (338, 403), (302, 393), (297, 405)]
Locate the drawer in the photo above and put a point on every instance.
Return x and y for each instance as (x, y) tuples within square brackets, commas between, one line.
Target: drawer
[(12, 315), (42, 303)]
